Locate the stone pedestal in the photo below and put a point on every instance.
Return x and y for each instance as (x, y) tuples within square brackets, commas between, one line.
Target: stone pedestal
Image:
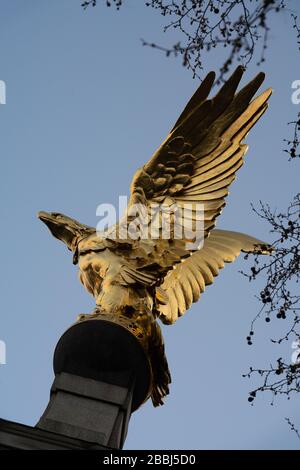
[(102, 375)]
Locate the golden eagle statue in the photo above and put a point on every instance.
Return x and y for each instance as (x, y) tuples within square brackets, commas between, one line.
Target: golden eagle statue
[(137, 279)]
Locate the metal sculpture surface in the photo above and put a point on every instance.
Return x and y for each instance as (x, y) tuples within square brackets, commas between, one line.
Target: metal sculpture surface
[(138, 279)]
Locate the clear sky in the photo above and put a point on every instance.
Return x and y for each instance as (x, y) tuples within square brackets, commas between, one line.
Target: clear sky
[(87, 105)]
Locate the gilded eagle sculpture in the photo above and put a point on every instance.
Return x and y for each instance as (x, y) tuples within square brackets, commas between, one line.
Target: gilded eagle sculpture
[(138, 280)]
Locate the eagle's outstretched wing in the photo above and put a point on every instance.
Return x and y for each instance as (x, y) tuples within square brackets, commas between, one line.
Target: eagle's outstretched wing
[(199, 158), (195, 165), (184, 285)]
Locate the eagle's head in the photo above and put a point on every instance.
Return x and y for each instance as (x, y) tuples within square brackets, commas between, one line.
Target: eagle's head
[(66, 229)]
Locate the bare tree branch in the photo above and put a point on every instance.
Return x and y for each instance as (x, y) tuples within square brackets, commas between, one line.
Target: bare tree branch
[(297, 28), (292, 427), (280, 297), (93, 3), (293, 143), (281, 379), (237, 26)]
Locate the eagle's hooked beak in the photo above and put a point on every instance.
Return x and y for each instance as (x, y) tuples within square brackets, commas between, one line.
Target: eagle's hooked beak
[(66, 229)]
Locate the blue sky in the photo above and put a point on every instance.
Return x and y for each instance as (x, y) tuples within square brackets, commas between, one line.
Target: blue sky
[(87, 105)]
